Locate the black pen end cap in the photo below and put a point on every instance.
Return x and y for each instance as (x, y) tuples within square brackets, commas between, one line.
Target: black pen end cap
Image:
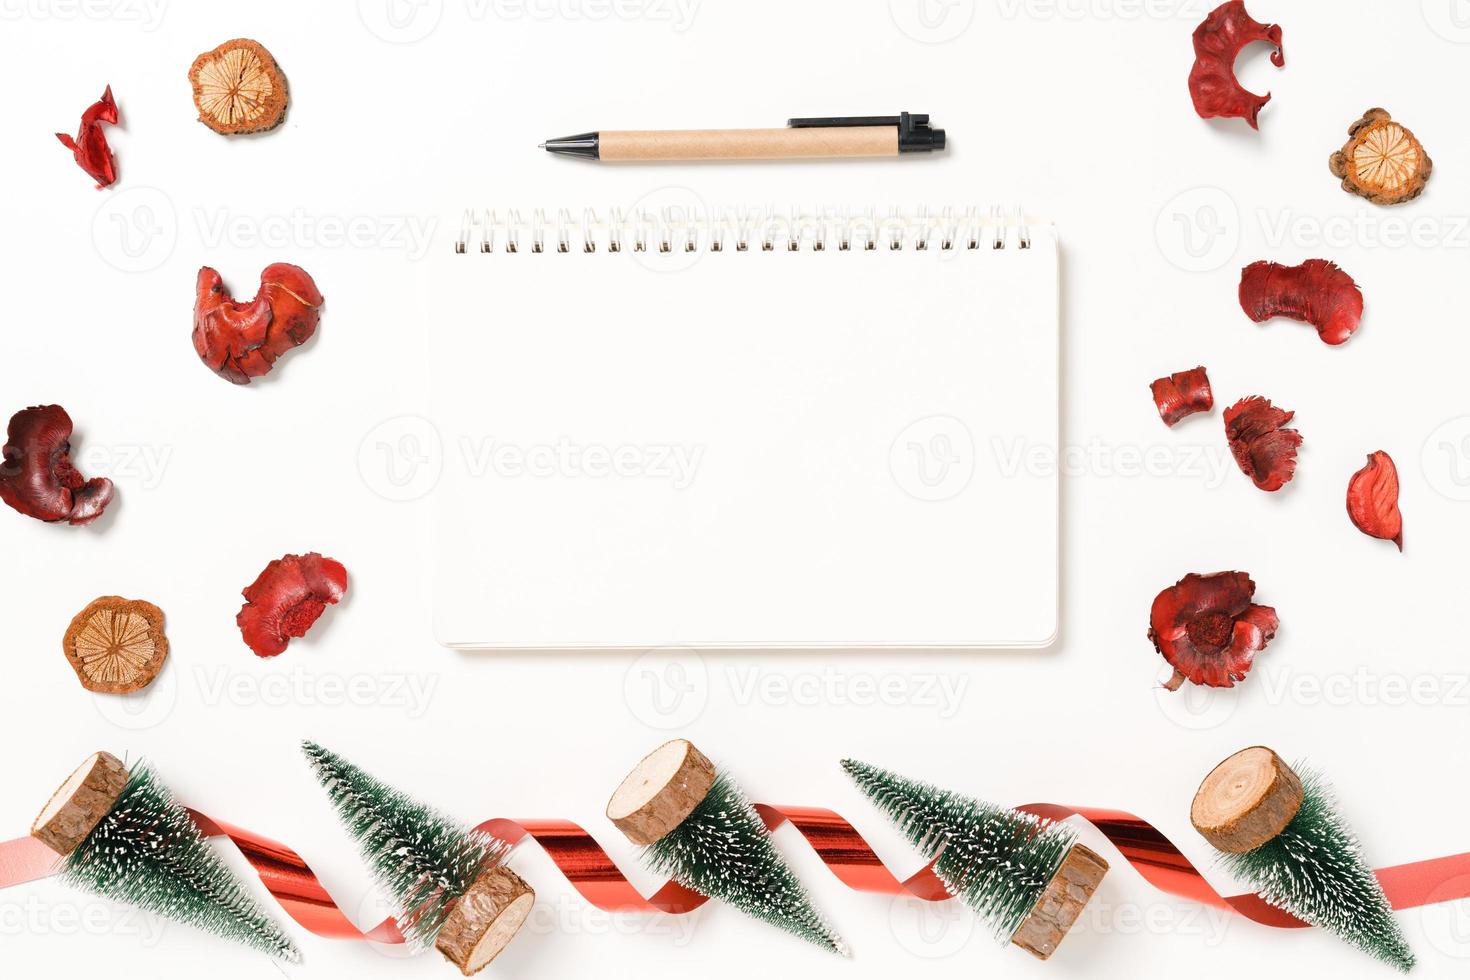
[(915, 135)]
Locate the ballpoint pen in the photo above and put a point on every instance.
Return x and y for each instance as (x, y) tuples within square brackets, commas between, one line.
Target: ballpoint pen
[(841, 136)]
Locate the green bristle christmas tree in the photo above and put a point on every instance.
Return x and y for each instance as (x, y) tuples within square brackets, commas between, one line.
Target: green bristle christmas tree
[(427, 862), (699, 829), (1001, 863), (146, 851), (1281, 833)]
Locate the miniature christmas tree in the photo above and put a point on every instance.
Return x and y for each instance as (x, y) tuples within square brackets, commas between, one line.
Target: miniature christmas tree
[(1280, 832), (698, 828), (124, 837), (447, 881), (1028, 879)]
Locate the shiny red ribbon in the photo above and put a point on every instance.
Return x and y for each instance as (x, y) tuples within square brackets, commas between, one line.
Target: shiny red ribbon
[(579, 857)]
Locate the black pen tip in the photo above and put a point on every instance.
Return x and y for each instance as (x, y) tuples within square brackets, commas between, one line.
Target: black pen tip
[(581, 145)]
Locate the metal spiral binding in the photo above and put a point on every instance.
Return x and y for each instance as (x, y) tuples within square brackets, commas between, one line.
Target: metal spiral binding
[(672, 230)]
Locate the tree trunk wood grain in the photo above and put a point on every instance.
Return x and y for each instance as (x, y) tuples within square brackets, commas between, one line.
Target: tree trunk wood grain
[(485, 919), (1246, 800), (79, 805), (661, 792), (1067, 893)]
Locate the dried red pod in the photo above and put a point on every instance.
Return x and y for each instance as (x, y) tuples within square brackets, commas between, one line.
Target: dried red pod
[(1218, 41), (1316, 292), (1208, 629), (1182, 394), (37, 477), (287, 598), (90, 149), (1263, 448), (1373, 500), (240, 341)]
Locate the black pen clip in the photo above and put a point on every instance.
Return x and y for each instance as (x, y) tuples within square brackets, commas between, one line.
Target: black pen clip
[(914, 131)]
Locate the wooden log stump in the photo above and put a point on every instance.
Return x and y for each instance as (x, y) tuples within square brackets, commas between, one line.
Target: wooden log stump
[(661, 792), (1246, 800), (87, 796), (485, 919), (1068, 892)]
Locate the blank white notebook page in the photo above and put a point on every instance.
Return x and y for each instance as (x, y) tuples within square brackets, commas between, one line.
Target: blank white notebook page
[(731, 449)]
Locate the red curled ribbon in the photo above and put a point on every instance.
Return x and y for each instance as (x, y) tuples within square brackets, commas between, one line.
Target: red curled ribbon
[(595, 876)]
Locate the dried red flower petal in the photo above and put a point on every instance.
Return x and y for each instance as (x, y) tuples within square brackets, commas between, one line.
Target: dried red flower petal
[(1218, 41), (1208, 629), (1316, 292), (240, 341), (1264, 450), (37, 477), (1373, 500), (1182, 394), (90, 149), (287, 598)]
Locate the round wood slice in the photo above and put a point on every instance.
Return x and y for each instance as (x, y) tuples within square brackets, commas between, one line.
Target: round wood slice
[(116, 645), (485, 919), (1066, 895), (1246, 800), (80, 804), (661, 792)]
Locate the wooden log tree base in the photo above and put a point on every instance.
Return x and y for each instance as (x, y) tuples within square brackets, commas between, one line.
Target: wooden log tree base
[(1382, 160), (116, 645), (1246, 800), (238, 88), (87, 796), (661, 792), (485, 919), (1068, 892)]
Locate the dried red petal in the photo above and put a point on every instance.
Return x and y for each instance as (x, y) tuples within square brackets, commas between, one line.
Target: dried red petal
[(1373, 500), (37, 477), (1208, 629), (1264, 450), (287, 598), (1218, 41), (1316, 292), (1182, 394), (240, 341), (90, 149)]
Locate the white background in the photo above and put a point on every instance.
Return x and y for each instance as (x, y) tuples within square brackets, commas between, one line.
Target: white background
[(1077, 109)]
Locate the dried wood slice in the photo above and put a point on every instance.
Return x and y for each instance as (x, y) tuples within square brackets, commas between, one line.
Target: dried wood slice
[(485, 919), (83, 800), (1246, 800), (116, 645), (1068, 892), (238, 88), (663, 790), (1382, 160)]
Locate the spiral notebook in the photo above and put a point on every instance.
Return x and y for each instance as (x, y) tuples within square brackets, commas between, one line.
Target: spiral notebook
[(746, 430)]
